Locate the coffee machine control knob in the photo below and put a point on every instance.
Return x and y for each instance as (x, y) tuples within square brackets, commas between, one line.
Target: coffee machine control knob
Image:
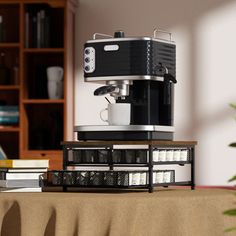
[(119, 34), (89, 59)]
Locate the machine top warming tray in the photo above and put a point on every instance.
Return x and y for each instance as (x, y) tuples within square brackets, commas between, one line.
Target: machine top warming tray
[(91, 128)]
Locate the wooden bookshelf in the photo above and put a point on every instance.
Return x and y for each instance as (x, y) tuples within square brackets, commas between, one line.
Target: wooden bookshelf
[(9, 87), (9, 45), (43, 101), (8, 128), (44, 50), (29, 45)]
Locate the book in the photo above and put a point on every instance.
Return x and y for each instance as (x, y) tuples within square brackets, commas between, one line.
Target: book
[(47, 31), (9, 108), (9, 119), (20, 183), (34, 31), (38, 17), (27, 29), (9, 113), (22, 163), (23, 170), (8, 176), (29, 190)]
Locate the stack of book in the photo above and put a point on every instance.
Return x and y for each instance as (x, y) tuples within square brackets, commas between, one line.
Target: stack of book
[(9, 115), (37, 27), (18, 175)]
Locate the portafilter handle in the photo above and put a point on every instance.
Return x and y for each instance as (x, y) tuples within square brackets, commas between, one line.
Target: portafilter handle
[(105, 90)]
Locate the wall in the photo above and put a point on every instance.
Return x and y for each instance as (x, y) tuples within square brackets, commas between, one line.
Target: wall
[(205, 36)]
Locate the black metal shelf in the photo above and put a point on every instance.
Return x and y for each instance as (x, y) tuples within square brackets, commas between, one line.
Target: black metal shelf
[(181, 183), (130, 164), (100, 186), (149, 163), (109, 164), (172, 163)]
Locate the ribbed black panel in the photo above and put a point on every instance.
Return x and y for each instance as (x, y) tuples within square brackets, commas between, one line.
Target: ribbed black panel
[(140, 57), (165, 54)]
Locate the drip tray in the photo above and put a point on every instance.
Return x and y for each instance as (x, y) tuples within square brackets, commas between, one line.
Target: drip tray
[(128, 132)]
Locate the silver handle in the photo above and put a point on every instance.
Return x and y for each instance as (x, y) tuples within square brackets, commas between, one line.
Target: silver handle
[(156, 31), (103, 35)]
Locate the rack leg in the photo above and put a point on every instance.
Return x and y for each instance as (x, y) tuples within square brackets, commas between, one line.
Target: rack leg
[(150, 170), (193, 169), (150, 189), (64, 188), (65, 157)]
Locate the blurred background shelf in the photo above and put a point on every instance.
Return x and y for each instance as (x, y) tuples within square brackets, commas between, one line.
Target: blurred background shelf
[(42, 101), (8, 128), (43, 50), (9, 87), (9, 45), (28, 46)]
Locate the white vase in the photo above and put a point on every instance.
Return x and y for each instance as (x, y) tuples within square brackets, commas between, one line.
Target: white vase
[(55, 82)]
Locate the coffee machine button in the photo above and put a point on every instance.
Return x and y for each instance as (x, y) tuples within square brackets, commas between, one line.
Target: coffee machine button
[(87, 51), (87, 68), (87, 60)]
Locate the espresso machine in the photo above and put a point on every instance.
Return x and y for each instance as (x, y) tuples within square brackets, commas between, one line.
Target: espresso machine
[(136, 70)]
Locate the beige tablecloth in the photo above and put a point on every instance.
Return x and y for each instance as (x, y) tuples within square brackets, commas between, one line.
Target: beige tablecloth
[(166, 212)]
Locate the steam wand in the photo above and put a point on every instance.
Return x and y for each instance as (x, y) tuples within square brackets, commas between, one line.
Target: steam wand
[(107, 100)]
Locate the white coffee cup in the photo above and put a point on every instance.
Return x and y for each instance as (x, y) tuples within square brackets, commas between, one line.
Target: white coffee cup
[(117, 114), (55, 83)]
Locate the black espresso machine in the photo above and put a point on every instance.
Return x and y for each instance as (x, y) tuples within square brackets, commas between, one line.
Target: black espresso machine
[(136, 70)]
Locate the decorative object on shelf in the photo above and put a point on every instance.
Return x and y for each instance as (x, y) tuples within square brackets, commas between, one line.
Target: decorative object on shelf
[(55, 82)]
